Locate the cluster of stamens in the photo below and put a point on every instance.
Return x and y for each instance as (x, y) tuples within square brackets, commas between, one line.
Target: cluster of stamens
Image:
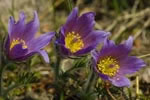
[(108, 66), (73, 42), (18, 41)]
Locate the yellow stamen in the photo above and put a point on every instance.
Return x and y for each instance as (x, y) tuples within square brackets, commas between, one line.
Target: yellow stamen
[(108, 66), (18, 41), (73, 42)]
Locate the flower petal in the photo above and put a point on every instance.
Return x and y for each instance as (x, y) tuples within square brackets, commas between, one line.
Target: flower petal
[(71, 20), (108, 44), (41, 42), (31, 28), (130, 65), (11, 24), (84, 50), (44, 54), (62, 36), (108, 48), (104, 77), (94, 63), (92, 41), (95, 55), (120, 81), (95, 37), (7, 44), (17, 52), (16, 29), (64, 50), (116, 51), (129, 43), (84, 24)]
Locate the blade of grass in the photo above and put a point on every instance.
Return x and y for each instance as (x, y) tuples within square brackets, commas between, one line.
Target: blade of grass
[(69, 4)]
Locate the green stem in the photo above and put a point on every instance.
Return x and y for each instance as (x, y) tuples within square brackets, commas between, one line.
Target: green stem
[(89, 81), (62, 96), (1, 69), (0, 53), (1, 80), (57, 65)]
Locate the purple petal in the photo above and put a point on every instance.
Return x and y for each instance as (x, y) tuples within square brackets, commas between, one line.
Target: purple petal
[(44, 54), (94, 63), (71, 20), (116, 51), (104, 77), (130, 65), (11, 24), (31, 28), (29, 54), (17, 51), (95, 37), (108, 44), (62, 47), (129, 43), (84, 50), (121, 51), (108, 49), (84, 24), (62, 36), (16, 29), (120, 81), (7, 45), (92, 40), (41, 42), (64, 50), (95, 55)]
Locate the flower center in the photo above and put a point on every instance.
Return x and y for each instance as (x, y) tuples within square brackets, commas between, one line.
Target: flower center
[(108, 66), (18, 41), (73, 42)]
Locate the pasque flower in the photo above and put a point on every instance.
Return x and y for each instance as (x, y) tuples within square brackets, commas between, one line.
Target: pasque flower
[(21, 44), (112, 62), (77, 36)]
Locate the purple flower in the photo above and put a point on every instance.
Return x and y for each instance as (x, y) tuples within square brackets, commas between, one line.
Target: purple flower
[(77, 36), (21, 44), (112, 63)]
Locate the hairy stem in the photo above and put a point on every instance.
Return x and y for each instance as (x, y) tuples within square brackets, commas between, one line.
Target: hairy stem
[(1, 69), (1, 80), (57, 65), (89, 81)]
